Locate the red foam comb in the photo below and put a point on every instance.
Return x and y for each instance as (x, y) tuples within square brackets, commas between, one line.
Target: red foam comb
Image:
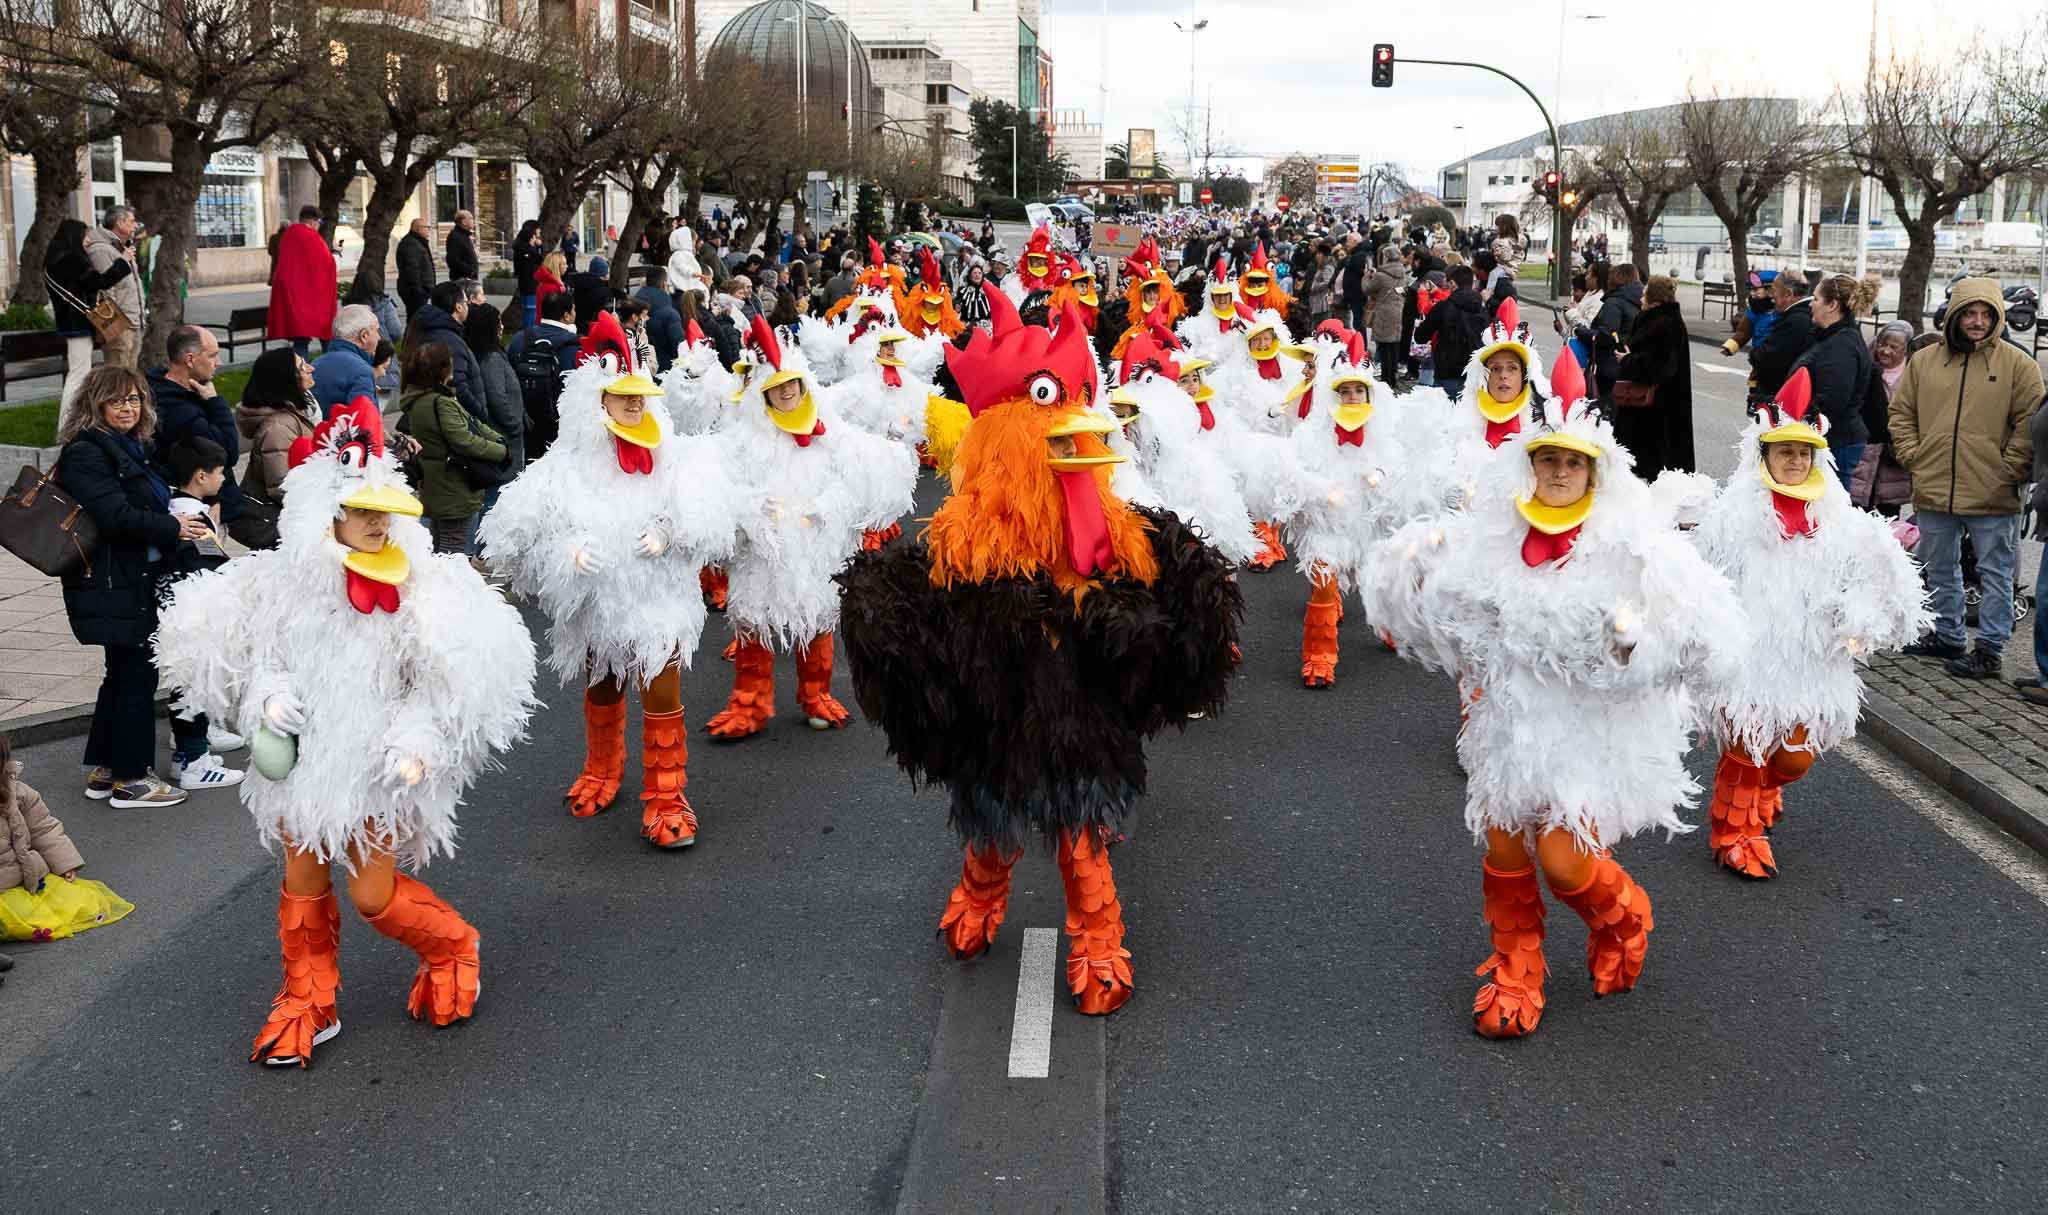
[(1567, 380), (1796, 397), (1142, 351), (1166, 338), (927, 267), (763, 336), (875, 257), (606, 336), (359, 422), (996, 365), (1509, 316), (1354, 346), (1221, 274), (1259, 256)]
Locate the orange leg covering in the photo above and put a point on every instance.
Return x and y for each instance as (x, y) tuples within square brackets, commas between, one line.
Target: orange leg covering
[(1618, 924), (1274, 552), (1319, 633), (303, 1012), (873, 539), (712, 581), (604, 749), (666, 818), (753, 692), (445, 985), (1786, 764), (1098, 965), (976, 907), (1742, 810), (1511, 1002), (814, 685)]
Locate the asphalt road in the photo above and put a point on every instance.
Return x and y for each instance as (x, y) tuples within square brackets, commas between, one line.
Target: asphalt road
[(766, 1023)]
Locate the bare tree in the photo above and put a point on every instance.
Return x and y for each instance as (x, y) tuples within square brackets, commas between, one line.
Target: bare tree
[(213, 73), (1382, 182), (1740, 152), (1194, 128), (52, 136), (1638, 167), (388, 94), (655, 155), (1936, 133), (589, 88), (1294, 175)]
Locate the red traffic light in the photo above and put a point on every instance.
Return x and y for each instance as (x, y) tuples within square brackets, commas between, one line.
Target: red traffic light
[(1384, 53), (1383, 65), (1550, 179)]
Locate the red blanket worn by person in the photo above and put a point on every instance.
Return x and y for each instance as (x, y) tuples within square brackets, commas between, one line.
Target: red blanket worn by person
[(302, 299)]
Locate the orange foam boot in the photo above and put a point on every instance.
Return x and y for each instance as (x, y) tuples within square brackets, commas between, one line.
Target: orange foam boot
[(666, 819), (711, 580), (873, 539), (303, 1013), (1618, 924), (1098, 965), (1739, 815), (814, 685), (1274, 552), (1319, 636), (752, 701), (978, 903), (604, 757), (445, 985), (1786, 764), (1511, 1002)]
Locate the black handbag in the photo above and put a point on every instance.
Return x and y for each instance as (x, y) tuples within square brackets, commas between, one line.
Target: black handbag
[(40, 524)]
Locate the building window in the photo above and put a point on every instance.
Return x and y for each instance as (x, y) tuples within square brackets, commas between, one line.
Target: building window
[(229, 212), (454, 189)]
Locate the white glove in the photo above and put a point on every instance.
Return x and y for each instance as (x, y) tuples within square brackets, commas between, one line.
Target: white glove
[(587, 562), (651, 545), (285, 712), (403, 769)]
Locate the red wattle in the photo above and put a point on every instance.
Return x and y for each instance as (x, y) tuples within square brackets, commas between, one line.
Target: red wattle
[(1208, 415), (1794, 519), (632, 457), (1497, 432), (1269, 369), (892, 376), (1308, 400), (1350, 438), (1539, 547), (367, 595), (1087, 531)]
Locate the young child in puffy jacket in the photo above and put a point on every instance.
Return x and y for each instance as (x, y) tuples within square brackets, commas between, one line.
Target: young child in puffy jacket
[(42, 896)]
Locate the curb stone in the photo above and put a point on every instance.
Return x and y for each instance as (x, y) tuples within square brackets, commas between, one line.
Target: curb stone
[(2014, 805)]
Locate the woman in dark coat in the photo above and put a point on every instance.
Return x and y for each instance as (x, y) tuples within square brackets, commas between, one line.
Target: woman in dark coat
[(527, 252), (71, 274), (1658, 435), (105, 467)]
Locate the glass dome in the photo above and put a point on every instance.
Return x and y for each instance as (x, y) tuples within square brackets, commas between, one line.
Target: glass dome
[(768, 33)]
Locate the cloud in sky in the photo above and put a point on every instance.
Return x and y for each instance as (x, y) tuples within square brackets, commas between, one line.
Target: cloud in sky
[(1293, 75)]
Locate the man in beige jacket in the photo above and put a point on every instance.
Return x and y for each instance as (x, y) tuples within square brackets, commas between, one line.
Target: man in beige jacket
[(112, 241), (1959, 423)]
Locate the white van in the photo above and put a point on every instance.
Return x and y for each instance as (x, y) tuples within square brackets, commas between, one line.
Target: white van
[(2009, 236)]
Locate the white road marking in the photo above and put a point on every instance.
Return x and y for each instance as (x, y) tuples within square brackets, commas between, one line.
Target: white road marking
[(1719, 369), (2008, 856), (1031, 1024)]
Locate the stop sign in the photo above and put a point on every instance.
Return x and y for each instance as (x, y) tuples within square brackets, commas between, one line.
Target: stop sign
[(1281, 202), (1208, 195)]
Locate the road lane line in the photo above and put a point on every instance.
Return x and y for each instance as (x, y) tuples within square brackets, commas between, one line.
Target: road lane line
[(1031, 1026), (1719, 370), (2000, 851)]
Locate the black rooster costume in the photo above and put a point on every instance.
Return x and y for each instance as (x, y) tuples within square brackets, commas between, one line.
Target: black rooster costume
[(1021, 652)]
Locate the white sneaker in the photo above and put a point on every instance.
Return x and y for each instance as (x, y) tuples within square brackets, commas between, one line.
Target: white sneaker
[(219, 740), (206, 772)]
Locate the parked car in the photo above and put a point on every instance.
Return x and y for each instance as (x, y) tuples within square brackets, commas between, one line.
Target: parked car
[(1657, 244), (1071, 210)]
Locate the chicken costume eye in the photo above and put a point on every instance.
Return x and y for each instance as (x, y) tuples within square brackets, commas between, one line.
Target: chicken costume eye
[(1045, 388), (354, 455)]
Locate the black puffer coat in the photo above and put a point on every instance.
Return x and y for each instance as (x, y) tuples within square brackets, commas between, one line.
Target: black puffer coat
[(1840, 366), (114, 601)]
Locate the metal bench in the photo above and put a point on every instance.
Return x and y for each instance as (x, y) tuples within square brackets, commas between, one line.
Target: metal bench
[(245, 325), (29, 356), (1722, 294)]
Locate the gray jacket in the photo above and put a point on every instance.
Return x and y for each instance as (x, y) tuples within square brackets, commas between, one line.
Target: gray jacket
[(507, 404), (103, 249)]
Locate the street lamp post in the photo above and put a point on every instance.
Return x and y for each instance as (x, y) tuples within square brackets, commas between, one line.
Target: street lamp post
[(1560, 233), (1192, 28)]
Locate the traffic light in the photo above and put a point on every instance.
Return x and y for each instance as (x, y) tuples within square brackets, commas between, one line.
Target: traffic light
[(1570, 198), (1550, 181), (1383, 65)]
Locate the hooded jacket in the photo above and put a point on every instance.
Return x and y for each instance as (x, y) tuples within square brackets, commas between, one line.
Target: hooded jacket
[(1960, 415)]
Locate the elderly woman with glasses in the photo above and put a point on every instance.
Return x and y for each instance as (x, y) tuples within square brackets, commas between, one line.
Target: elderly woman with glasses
[(105, 466)]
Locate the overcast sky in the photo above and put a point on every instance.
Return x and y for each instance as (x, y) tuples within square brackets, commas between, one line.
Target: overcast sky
[(1293, 75)]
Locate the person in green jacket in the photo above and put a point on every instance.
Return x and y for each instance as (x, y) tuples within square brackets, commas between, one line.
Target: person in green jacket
[(445, 430)]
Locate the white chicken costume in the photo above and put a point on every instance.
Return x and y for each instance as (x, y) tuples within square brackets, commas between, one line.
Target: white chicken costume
[(1826, 585), (1584, 621), (1180, 469), (1358, 477), (607, 533), (1477, 422), (375, 686), (813, 491), (697, 390), (1214, 333), (1253, 388)]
